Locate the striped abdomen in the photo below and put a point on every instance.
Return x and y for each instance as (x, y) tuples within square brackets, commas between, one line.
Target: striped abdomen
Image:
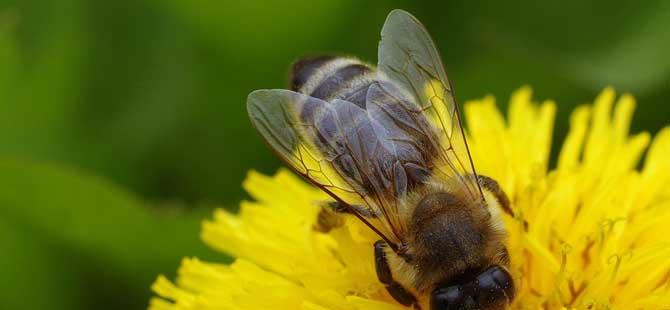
[(394, 156), (329, 77)]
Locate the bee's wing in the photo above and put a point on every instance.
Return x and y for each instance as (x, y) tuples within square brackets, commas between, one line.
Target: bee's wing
[(338, 147), (409, 58)]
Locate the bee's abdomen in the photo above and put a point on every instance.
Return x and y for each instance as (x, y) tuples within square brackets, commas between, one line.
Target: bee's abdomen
[(304, 69), (327, 78), (341, 77)]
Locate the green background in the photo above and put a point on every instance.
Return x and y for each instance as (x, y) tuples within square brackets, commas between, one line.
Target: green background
[(123, 123)]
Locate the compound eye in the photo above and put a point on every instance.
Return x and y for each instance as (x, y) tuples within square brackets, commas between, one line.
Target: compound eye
[(495, 285), (491, 289), (450, 298)]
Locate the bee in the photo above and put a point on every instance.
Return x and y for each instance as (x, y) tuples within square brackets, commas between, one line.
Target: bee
[(387, 144)]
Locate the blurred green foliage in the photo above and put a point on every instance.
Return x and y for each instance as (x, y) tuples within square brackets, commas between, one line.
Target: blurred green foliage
[(72, 239), (123, 122)]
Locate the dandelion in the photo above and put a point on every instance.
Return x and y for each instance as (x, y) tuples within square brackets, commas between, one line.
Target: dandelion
[(591, 233)]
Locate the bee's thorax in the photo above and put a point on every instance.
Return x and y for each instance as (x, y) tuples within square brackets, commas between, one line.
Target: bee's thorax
[(452, 237)]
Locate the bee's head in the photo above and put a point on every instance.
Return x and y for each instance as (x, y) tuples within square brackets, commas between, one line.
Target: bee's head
[(493, 288)]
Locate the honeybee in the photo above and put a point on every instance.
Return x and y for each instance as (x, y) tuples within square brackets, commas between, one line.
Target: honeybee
[(387, 145)]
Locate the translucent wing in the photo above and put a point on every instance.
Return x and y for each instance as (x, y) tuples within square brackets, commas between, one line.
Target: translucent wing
[(408, 57), (343, 149)]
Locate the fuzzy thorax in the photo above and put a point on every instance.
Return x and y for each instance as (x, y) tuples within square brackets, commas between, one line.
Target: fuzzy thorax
[(452, 236)]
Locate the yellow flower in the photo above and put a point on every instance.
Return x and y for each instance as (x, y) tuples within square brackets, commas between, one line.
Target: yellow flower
[(592, 233)]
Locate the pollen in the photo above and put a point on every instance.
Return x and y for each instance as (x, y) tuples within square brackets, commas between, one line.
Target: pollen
[(590, 232)]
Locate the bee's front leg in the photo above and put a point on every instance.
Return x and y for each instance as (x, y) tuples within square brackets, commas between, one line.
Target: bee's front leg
[(494, 188), (395, 289), (329, 216), (341, 208)]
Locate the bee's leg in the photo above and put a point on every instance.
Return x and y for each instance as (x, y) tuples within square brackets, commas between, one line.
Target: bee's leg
[(395, 289), (329, 216), (341, 208), (328, 219), (494, 188)]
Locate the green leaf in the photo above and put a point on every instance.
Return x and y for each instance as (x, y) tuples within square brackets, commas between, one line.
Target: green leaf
[(638, 61), (34, 273), (89, 229)]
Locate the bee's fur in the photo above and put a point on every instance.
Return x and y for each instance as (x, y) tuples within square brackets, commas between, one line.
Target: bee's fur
[(450, 236), (309, 73), (423, 267), (328, 78)]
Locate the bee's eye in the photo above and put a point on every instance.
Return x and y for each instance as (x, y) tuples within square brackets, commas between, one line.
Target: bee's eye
[(495, 284), (452, 297), (491, 289)]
